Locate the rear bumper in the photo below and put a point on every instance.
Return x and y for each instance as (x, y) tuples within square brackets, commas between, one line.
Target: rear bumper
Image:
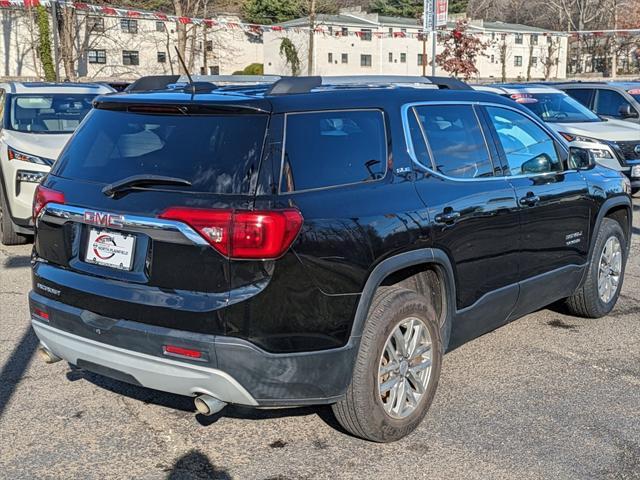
[(231, 369)]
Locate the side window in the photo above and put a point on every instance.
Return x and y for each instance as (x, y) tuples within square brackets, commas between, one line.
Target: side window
[(583, 95), (527, 147), (455, 140), (326, 149), (2, 99), (609, 102)]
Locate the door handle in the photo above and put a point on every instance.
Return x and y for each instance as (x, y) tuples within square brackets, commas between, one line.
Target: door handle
[(448, 216), (529, 200)]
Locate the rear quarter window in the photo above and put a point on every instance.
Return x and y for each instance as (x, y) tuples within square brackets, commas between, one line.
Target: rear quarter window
[(328, 149)]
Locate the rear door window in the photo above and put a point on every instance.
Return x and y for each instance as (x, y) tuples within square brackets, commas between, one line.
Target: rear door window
[(328, 149), (455, 140), (216, 153), (583, 95), (528, 149)]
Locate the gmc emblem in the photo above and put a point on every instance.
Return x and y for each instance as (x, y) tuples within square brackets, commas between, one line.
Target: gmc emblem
[(103, 219)]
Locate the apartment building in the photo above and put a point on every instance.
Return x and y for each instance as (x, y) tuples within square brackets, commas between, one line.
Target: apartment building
[(109, 47), (356, 43)]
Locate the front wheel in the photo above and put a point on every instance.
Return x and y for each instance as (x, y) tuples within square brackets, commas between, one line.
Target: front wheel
[(8, 234), (397, 369), (599, 293)]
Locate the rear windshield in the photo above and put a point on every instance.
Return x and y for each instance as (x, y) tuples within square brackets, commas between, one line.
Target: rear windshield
[(216, 153), (52, 113)]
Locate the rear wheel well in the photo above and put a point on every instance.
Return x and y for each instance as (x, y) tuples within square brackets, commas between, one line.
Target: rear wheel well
[(426, 280), (621, 215)]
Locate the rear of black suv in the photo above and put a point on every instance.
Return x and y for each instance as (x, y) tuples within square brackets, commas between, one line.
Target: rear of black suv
[(149, 251)]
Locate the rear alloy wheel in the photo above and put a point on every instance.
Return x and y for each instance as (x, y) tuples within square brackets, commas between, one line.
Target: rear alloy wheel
[(396, 373), (599, 293), (8, 234)]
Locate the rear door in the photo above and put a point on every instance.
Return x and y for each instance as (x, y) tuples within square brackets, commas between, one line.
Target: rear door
[(609, 103), (555, 208), (583, 95), (472, 208)]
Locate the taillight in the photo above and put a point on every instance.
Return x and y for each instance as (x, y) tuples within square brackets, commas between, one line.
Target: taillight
[(242, 234), (43, 196)]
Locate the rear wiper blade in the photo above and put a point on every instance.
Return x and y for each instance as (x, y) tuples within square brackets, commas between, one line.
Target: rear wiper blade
[(142, 181)]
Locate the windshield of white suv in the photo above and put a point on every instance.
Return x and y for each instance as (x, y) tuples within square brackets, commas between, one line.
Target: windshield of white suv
[(48, 113), (556, 107)]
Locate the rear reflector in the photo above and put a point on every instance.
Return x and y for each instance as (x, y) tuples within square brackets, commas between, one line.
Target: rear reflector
[(43, 196), (181, 352), (244, 234), (41, 313)]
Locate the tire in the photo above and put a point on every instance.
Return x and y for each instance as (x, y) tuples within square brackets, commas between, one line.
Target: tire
[(587, 301), (8, 234), (361, 412), (634, 191)]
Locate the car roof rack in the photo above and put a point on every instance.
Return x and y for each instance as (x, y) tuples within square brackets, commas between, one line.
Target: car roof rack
[(163, 82), (291, 85)]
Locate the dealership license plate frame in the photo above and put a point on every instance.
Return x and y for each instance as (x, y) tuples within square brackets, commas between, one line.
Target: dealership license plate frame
[(127, 246)]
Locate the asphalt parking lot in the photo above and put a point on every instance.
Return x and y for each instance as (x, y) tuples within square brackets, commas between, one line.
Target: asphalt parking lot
[(547, 396)]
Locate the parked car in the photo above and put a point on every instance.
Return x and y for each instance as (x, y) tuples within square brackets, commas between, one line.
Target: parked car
[(36, 120), (617, 100), (614, 143), (314, 241)]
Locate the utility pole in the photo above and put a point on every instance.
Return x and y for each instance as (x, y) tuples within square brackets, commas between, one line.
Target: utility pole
[(434, 37), (312, 28), (424, 37), (56, 43), (204, 39), (614, 42)]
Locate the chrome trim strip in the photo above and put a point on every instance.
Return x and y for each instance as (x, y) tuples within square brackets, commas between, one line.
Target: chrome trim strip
[(157, 228), (411, 152)]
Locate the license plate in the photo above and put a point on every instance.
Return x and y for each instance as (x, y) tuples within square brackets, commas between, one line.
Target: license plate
[(110, 249)]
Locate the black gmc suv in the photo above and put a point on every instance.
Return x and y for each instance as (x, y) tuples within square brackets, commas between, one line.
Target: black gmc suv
[(314, 240)]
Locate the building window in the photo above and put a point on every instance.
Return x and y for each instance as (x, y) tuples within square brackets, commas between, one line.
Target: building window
[(493, 35), (403, 58), (130, 57), (330, 57), (390, 57), (549, 39), (493, 57), (97, 56), (420, 60), (128, 25), (160, 27), (403, 30), (162, 57), (503, 36), (95, 24), (345, 58), (209, 45), (534, 39), (344, 32), (534, 61), (366, 34), (330, 30), (365, 60), (519, 38), (390, 31), (517, 61)]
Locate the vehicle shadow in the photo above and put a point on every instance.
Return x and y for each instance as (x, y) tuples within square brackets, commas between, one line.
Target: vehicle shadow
[(185, 404), (17, 261), (18, 362), (196, 465)]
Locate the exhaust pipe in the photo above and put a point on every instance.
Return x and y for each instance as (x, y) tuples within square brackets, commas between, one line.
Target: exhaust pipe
[(47, 355), (208, 405)]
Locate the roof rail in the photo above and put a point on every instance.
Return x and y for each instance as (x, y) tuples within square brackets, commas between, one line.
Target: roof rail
[(290, 85), (162, 82)]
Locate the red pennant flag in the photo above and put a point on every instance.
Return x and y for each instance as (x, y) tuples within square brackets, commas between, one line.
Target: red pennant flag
[(161, 16), (81, 6), (31, 3), (277, 28), (184, 20), (108, 11), (399, 35), (133, 13), (232, 25), (5, 3)]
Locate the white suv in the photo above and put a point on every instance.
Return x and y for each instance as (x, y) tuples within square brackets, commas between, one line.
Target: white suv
[(36, 120), (613, 143)]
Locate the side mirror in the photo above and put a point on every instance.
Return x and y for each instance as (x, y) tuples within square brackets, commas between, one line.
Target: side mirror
[(580, 159), (539, 164), (626, 111)]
